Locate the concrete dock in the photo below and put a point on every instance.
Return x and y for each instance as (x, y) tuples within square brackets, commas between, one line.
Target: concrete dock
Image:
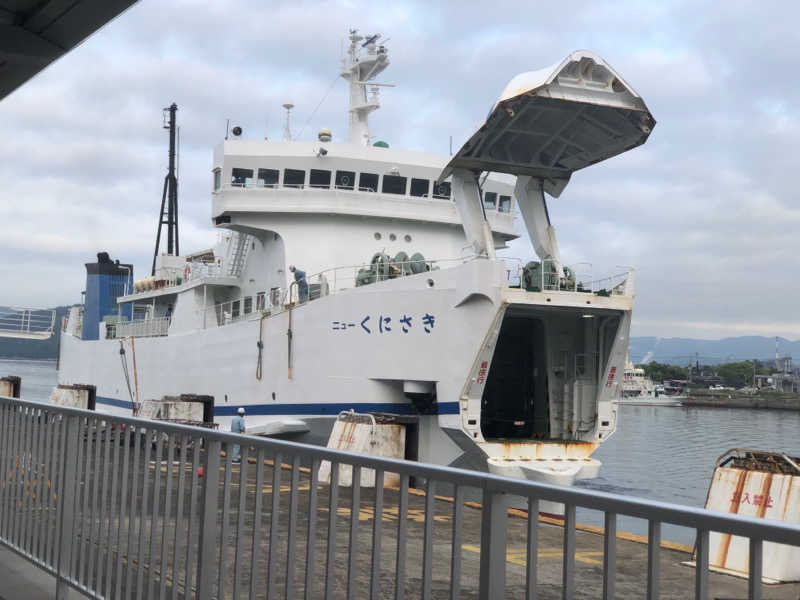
[(677, 580)]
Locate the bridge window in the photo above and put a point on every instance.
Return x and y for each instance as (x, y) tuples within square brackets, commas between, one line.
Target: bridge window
[(294, 178), (217, 178), (419, 187), (505, 204), (241, 177), (394, 184), (368, 182), (320, 178), (345, 180), (441, 191), (490, 199), (267, 177)]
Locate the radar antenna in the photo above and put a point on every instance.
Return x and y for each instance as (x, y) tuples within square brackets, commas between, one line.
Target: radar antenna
[(169, 198), (360, 68), (287, 130)]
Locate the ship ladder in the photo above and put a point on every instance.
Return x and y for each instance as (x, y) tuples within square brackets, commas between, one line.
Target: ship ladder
[(239, 254)]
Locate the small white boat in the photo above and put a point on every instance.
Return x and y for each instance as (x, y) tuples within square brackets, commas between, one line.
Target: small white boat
[(653, 400), (640, 390)]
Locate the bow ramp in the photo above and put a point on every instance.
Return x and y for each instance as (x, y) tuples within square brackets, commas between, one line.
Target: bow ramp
[(546, 125)]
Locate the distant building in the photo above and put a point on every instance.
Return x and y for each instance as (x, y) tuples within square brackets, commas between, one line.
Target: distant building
[(781, 382)]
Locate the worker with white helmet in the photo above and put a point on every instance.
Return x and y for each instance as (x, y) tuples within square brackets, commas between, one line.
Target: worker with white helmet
[(237, 426)]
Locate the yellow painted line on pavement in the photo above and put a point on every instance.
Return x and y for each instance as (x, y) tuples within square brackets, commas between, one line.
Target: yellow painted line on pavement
[(515, 512), (519, 556)]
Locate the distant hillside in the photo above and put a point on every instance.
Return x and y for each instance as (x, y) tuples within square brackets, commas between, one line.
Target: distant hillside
[(35, 349), (681, 351)]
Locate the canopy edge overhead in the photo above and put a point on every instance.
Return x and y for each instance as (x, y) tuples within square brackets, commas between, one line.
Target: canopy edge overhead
[(34, 33)]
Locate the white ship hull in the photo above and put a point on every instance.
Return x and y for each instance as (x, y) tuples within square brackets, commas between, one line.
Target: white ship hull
[(508, 366), (652, 400), (334, 369)]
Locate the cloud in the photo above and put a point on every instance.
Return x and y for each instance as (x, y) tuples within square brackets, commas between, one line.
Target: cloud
[(706, 210)]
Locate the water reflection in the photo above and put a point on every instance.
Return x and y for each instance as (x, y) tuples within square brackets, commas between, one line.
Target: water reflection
[(668, 453)]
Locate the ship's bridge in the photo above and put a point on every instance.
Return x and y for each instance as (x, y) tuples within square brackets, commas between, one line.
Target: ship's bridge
[(345, 179)]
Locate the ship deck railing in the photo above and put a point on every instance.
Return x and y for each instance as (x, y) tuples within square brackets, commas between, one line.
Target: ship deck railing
[(341, 279), (139, 328), (115, 507), (27, 323), (337, 279), (578, 278), (324, 283)]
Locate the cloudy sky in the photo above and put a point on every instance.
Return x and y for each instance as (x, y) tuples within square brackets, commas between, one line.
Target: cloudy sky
[(707, 211)]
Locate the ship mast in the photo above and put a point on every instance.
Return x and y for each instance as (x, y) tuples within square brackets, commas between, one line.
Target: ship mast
[(359, 69), (169, 198)]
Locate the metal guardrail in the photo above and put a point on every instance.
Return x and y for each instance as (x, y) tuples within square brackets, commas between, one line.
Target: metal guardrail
[(32, 323), (580, 279), (340, 279), (324, 283), (141, 328), (119, 507)]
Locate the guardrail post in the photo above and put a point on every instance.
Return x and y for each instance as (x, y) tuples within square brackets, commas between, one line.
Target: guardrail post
[(207, 540), (494, 531), (66, 497)]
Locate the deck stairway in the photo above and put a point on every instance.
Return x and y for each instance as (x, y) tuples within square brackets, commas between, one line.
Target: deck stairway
[(240, 244)]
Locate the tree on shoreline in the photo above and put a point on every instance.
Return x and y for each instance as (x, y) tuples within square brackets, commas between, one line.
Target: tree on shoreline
[(659, 372)]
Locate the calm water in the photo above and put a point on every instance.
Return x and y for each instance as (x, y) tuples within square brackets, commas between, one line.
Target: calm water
[(38, 377), (668, 453), (664, 453)]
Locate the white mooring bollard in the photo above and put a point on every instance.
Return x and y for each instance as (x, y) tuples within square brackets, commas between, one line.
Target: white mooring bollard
[(365, 434), (10, 386), (74, 396)]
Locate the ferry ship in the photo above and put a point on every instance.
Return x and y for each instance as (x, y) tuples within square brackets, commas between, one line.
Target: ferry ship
[(355, 276)]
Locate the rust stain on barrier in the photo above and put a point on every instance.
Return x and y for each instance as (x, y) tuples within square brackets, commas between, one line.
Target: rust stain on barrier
[(765, 494), (725, 543), (788, 502), (549, 450)]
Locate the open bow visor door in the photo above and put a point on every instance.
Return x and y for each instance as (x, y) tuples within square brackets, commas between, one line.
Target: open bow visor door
[(554, 121), (546, 124)]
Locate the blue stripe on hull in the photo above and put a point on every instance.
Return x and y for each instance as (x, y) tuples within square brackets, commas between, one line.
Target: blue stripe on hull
[(114, 402), (319, 408)]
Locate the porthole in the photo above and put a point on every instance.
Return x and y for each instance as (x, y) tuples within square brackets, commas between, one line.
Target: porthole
[(430, 283), (407, 238), (377, 235), (392, 237)]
